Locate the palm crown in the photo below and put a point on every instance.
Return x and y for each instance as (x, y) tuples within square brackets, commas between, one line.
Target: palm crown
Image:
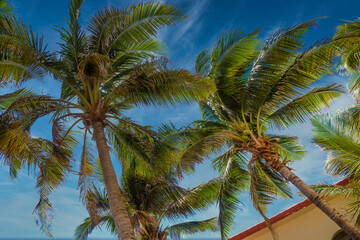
[(259, 87), (149, 200)]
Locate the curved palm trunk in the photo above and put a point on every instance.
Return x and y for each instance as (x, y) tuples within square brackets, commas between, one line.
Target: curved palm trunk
[(117, 207), (320, 202)]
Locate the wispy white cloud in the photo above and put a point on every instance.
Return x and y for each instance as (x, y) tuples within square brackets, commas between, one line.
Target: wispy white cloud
[(194, 14)]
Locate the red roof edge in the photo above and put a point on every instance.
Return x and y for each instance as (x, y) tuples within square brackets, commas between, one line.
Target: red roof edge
[(281, 215)]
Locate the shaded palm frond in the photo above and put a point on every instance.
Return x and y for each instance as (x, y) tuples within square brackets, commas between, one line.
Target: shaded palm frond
[(208, 112), (53, 169), (153, 84), (190, 201), (265, 186), (234, 181), (188, 228), (232, 58), (7, 100), (202, 62), (85, 229), (22, 52)]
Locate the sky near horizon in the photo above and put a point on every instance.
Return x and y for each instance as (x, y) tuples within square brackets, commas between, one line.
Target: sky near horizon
[(207, 19)]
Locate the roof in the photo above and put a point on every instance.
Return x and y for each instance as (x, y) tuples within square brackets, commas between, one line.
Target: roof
[(280, 216)]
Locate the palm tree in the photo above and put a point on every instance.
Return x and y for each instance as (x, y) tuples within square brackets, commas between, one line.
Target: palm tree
[(113, 67), (257, 92), (149, 200)]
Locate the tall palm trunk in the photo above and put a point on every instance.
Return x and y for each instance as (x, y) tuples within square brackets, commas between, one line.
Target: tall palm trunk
[(320, 202), (118, 210)]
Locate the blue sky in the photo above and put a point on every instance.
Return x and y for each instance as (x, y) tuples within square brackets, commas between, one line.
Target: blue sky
[(207, 20)]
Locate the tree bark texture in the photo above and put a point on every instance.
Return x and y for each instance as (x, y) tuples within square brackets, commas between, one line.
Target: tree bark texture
[(118, 210)]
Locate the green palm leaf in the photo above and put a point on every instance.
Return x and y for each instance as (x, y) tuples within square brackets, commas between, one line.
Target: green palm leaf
[(144, 21), (273, 60), (202, 62), (74, 38), (232, 58), (85, 229), (188, 228), (290, 148), (304, 107), (7, 100), (234, 181)]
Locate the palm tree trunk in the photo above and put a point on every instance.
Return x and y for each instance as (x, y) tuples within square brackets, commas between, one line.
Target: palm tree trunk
[(321, 203), (118, 210)]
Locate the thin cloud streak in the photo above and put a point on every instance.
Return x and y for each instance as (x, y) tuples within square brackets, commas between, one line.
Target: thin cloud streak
[(194, 14)]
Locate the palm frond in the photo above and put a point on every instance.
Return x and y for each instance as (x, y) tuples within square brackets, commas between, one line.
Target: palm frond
[(232, 59), (6, 100), (130, 149), (265, 186), (53, 169), (144, 20), (87, 180), (331, 134), (208, 112), (83, 230), (192, 227), (18, 145), (350, 191), (73, 37), (204, 147), (31, 108), (304, 107), (290, 148), (234, 181), (334, 191), (202, 62), (128, 59), (350, 51), (306, 68), (190, 201), (280, 49), (22, 52), (153, 84)]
